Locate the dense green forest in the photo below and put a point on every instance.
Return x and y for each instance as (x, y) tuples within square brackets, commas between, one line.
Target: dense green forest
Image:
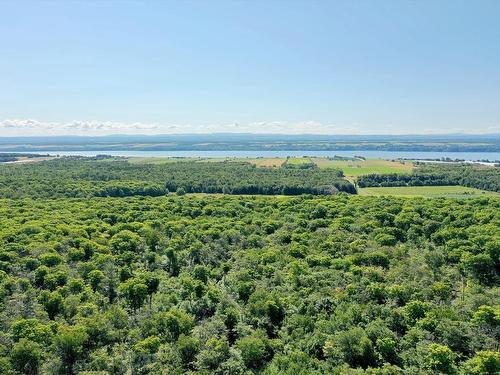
[(249, 285), (435, 174), (103, 272), (86, 177)]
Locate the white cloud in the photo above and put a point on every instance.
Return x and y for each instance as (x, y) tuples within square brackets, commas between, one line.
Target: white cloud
[(21, 127), (26, 127), (31, 127)]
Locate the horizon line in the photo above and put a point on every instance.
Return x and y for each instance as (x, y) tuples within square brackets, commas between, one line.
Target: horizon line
[(259, 134)]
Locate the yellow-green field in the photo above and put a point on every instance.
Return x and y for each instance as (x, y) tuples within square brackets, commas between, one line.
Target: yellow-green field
[(351, 168), (427, 191), (25, 160), (165, 160), (354, 168), (298, 160), (266, 162), (156, 160)]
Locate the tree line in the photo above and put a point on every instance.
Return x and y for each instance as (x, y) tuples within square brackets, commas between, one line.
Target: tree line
[(434, 174), (85, 177), (8, 157)]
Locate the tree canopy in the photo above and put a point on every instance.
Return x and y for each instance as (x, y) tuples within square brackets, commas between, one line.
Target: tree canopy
[(102, 177), (240, 284)]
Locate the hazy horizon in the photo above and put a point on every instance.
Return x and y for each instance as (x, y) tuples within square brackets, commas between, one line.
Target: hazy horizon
[(32, 128), (275, 135)]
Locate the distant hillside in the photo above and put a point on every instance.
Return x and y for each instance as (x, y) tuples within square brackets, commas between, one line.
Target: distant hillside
[(256, 142)]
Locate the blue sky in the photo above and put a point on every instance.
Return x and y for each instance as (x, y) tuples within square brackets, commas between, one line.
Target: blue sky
[(335, 67)]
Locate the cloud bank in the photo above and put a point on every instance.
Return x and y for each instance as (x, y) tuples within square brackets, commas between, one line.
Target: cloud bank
[(31, 127), (20, 127)]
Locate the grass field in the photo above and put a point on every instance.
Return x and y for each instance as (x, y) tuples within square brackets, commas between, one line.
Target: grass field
[(156, 160), (299, 160), (276, 162), (166, 160), (266, 162), (25, 160), (427, 191), (361, 167), (351, 168)]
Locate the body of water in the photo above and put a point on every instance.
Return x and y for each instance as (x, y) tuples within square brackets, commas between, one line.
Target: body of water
[(415, 155)]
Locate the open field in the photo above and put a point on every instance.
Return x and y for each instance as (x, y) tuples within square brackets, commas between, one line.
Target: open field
[(259, 162), (266, 162), (350, 168), (362, 167), (168, 160), (426, 191), (298, 160), (24, 160), (155, 160)]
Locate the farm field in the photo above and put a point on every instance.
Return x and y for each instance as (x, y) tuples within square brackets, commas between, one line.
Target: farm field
[(259, 162), (362, 167), (426, 191), (24, 160), (350, 168), (298, 160), (156, 160), (266, 162)]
